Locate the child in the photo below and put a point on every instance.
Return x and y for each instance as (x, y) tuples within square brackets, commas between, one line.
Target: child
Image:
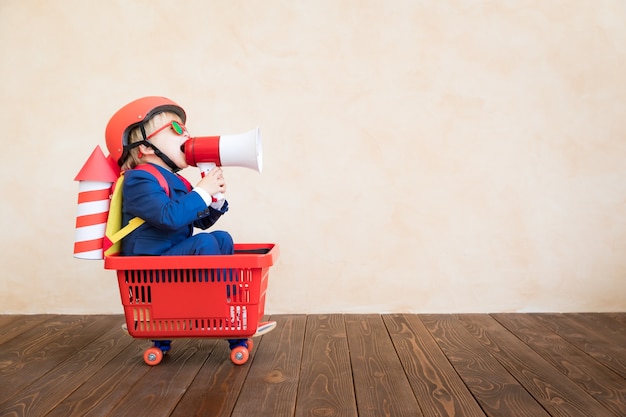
[(151, 130)]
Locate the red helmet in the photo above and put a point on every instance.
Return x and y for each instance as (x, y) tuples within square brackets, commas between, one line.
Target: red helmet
[(130, 116)]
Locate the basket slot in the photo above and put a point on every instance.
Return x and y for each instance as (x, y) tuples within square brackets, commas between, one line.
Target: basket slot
[(151, 276), (223, 275), (139, 294), (144, 323), (141, 318), (237, 294)]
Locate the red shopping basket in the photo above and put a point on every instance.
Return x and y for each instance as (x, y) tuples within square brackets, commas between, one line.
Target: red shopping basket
[(219, 296)]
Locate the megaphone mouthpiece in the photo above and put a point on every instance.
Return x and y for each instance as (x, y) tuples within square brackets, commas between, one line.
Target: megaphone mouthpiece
[(202, 149)]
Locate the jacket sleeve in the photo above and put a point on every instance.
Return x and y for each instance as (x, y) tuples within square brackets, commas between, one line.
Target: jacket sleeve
[(145, 198), (212, 216)]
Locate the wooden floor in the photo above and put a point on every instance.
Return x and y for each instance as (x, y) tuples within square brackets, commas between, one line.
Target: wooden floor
[(323, 365)]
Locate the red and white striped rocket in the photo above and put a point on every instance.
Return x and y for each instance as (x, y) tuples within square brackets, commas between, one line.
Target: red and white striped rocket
[(94, 189)]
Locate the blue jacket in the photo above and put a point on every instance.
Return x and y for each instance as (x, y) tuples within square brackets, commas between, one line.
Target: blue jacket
[(169, 220)]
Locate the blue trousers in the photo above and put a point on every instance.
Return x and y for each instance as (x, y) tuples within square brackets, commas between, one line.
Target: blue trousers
[(213, 243)]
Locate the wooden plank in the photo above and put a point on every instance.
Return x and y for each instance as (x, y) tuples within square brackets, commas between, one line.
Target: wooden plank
[(617, 317), (158, 391), (37, 351), (498, 393), (44, 394), (438, 388), (216, 387), (607, 387), (7, 319), (326, 387), (272, 383), (13, 325), (381, 386), (598, 345), (604, 324), (558, 395), (101, 392)]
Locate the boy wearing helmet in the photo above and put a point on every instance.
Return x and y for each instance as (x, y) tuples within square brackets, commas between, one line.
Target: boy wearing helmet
[(151, 130)]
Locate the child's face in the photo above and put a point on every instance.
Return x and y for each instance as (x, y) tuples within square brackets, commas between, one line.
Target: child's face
[(170, 142)]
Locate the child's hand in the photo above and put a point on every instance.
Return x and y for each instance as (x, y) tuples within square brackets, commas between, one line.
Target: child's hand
[(213, 181)]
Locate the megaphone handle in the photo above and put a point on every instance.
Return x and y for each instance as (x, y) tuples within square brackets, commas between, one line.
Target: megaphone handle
[(206, 167)]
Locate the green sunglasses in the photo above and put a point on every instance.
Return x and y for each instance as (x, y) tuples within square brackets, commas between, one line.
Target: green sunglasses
[(177, 127)]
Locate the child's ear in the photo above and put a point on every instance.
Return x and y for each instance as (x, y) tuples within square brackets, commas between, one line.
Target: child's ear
[(146, 150)]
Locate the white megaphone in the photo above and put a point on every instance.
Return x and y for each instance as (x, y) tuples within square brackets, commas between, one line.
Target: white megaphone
[(239, 150)]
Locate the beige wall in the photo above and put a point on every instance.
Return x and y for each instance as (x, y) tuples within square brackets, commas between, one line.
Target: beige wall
[(420, 156)]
